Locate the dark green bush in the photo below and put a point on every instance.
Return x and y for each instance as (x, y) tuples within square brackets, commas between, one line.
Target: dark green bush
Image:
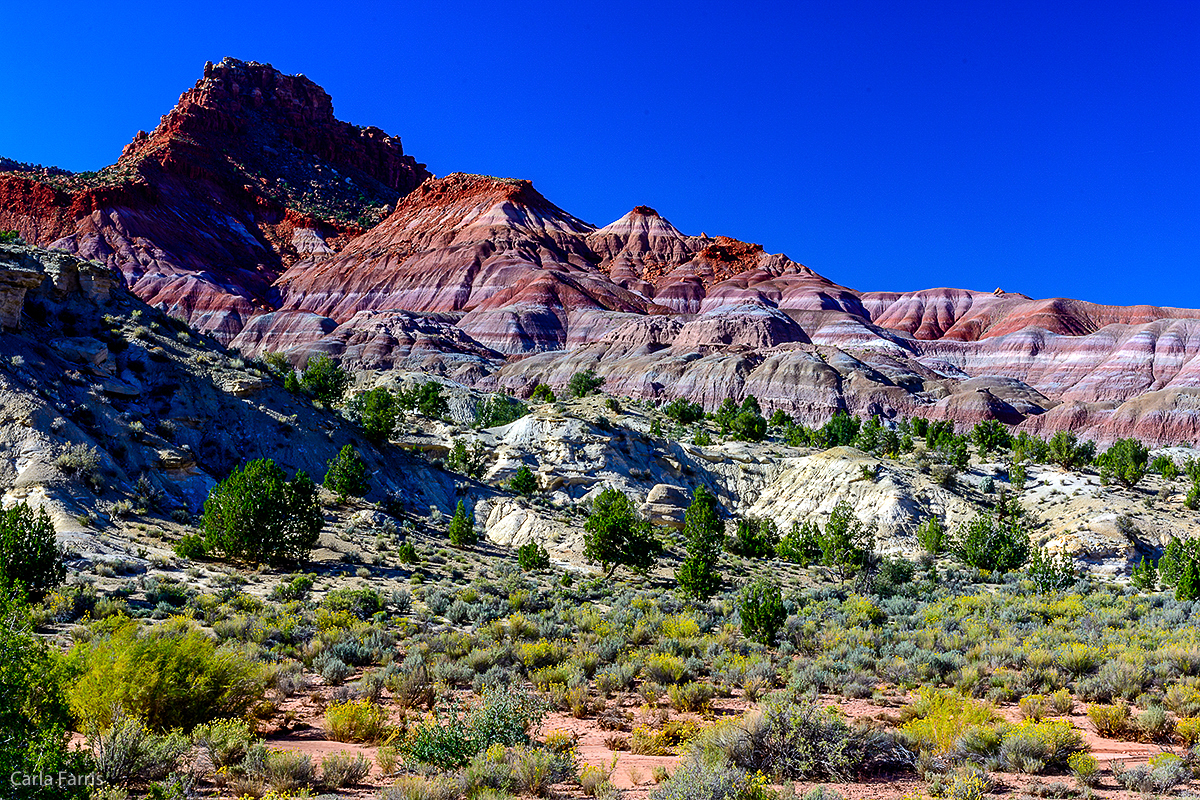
[(542, 394), (755, 538), (324, 379), (992, 545), (990, 436), (1126, 462), (801, 545), (615, 536), (705, 536), (499, 409), (470, 460), (532, 556), (376, 411), (347, 474), (760, 607), (523, 482), (35, 720), (362, 603), (29, 553), (584, 383), (1065, 449), (462, 527), (683, 412), (256, 515)]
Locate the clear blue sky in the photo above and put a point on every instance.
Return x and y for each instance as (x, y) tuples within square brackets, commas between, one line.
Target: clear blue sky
[(1049, 148)]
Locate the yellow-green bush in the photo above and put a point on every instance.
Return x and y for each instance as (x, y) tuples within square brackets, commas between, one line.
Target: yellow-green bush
[(663, 668), (941, 718), (663, 742), (171, 676), (1188, 730), (356, 721), (1110, 720)]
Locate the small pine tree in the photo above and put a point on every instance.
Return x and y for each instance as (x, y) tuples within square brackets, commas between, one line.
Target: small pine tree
[(698, 575), (542, 394), (291, 382), (761, 609), (462, 527), (846, 546), (532, 557), (523, 482), (29, 553), (801, 545), (615, 536), (1145, 575), (584, 383), (377, 411), (324, 379), (931, 535), (257, 515), (347, 474)]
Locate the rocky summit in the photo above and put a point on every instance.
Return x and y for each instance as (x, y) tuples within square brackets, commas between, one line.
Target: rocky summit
[(255, 215)]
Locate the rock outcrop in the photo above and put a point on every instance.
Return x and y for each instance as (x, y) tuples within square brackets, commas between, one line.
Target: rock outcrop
[(256, 215), (249, 172)]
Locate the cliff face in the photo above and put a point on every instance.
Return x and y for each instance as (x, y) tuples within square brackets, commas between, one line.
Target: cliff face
[(248, 173), (255, 214)]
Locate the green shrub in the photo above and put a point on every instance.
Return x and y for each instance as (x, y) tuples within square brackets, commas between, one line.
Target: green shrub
[(584, 383), (376, 411), (523, 482), (1050, 573), (34, 715), (542, 394), (846, 544), (691, 696), (941, 718), (29, 553), (224, 741), (993, 545), (1125, 462), (615, 536), (448, 739), (990, 436), (347, 474), (705, 534), (324, 379), (427, 399), (362, 603), (124, 752), (191, 546), (532, 557), (280, 770), (755, 538), (499, 409), (760, 607), (683, 412), (356, 721), (10, 237), (257, 515), (748, 426), (170, 676), (801, 545), (462, 527), (1065, 449), (1110, 720), (1035, 747), (931, 535), (470, 461)]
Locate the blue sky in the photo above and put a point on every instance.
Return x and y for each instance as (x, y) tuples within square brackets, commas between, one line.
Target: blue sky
[(1047, 148)]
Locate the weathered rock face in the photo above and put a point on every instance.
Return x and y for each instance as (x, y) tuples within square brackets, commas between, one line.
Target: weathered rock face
[(255, 214), (250, 171)]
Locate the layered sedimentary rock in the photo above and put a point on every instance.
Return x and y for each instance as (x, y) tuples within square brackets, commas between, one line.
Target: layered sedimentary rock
[(249, 172), (255, 214)]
